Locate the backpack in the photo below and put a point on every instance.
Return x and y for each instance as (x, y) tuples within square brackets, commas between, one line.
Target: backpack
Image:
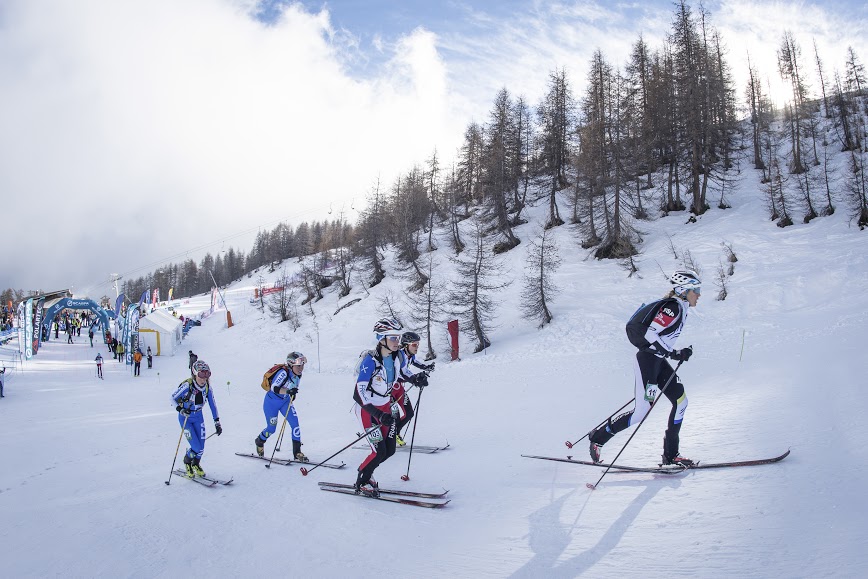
[(358, 366), (266, 378), (638, 323)]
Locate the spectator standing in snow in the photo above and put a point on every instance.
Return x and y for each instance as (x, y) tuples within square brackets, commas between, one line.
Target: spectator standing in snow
[(150, 358), (137, 362), (193, 358)]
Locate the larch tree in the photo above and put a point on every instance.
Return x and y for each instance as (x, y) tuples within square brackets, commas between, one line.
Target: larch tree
[(541, 263), (473, 290)]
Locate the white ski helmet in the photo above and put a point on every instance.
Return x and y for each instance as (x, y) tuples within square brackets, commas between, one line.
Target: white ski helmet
[(685, 280), (387, 327), (295, 359)]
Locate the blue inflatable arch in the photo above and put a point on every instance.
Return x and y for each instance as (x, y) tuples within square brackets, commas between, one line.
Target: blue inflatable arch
[(75, 304)]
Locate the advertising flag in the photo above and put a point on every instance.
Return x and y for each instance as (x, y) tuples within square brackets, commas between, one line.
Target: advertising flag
[(28, 329), (143, 298), (37, 324), (168, 299), (20, 315), (155, 298), (118, 303)]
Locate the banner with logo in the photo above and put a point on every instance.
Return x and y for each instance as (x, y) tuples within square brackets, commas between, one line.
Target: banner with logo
[(37, 324), (118, 303), (171, 289), (143, 298), (20, 315), (28, 329), (131, 328)]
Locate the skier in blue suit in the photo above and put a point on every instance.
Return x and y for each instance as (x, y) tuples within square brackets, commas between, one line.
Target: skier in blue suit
[(189, 400), (278, 400)]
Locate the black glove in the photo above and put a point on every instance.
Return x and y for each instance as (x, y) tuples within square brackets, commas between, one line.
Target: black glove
[(386, 419), (683, 355), (429, 367), (182, 409), (293, 392), (420, 380), (218, 427)]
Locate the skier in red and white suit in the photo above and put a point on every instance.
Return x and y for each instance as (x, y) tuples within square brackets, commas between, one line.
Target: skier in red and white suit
[(380, 369)]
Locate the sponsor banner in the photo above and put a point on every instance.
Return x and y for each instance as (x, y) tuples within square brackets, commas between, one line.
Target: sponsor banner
[(131, 328), (20, 315), (155, 298), (118, 303), (169, 298), (28, 329), (271, 290), (143, 298), (37, 324)]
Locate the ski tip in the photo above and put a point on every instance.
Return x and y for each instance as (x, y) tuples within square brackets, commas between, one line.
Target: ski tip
[(590, 486), (303, 471)]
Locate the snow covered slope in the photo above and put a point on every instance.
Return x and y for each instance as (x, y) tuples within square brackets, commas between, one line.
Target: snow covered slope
[(778, 365)]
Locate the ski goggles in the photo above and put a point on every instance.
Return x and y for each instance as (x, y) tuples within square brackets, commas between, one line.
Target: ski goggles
[(204, 374), (300, 361)]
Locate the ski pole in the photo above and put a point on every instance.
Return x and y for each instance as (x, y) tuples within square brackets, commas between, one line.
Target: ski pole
[(186, 418), (280, 436), (304, 470), (653, 404), (406, 477), (571, 444)]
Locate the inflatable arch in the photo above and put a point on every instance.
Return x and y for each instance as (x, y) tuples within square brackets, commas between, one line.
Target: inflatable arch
[(75, 304)]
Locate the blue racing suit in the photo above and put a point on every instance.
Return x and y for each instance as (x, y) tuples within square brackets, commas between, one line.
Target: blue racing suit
[(193, 401), (275, 404)]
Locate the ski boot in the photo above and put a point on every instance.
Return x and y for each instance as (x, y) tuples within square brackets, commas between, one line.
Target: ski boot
[(368, 488), (260, 447), (196, 468), (297, 453), (678, 460), (188, 466)]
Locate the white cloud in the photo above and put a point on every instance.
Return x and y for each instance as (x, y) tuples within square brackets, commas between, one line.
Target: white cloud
[(191, 121)]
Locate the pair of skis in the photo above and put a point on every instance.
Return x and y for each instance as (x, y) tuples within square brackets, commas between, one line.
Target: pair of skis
[(413, 498), (202, 480), (287, 462), (664, 469), (406, 448)]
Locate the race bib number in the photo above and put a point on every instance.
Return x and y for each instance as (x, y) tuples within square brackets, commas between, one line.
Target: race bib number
[(375, 437), (396, 409), (650, 392)]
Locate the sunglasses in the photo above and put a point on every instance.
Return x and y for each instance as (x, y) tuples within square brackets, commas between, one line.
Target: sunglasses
[(204, 374)]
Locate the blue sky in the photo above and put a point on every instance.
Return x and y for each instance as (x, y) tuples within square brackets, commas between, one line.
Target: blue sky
[(162, 127)]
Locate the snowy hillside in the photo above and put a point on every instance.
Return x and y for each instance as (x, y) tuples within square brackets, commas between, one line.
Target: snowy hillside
[(778, 365)]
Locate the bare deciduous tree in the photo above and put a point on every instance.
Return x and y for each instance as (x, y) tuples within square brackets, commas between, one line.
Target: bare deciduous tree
[(472, 292), (541, 263)]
